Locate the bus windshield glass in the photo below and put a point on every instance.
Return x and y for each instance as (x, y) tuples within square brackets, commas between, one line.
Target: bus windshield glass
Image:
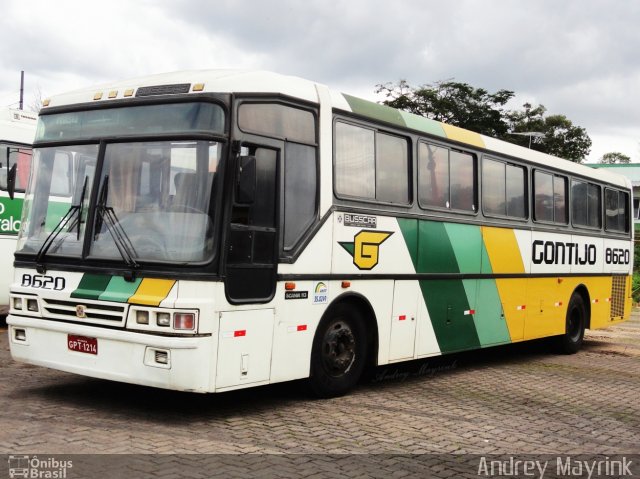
[(153, 202), (145, 120)]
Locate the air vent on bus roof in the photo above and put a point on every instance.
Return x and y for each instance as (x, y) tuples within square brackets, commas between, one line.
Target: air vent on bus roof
[(163, 89)]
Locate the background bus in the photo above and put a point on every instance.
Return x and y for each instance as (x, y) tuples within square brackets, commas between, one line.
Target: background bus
[(17, 130), (229, 229)]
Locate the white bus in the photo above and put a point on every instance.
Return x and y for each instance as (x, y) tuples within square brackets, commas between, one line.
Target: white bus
[(17, 129), (229, 229)]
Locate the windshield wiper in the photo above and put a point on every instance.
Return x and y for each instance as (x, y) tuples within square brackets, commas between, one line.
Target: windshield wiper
[(107, 216), (74, 213)]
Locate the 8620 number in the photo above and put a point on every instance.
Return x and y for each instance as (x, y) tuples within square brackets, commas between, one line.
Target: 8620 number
[(45, 282)]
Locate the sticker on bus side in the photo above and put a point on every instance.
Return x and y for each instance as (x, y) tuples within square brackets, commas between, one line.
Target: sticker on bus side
[(320, 293)]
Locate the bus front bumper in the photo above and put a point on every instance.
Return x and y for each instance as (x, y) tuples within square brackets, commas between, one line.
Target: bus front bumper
[(179, 363)]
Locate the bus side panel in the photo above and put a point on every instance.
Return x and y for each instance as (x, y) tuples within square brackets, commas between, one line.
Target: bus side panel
[(507, 256)]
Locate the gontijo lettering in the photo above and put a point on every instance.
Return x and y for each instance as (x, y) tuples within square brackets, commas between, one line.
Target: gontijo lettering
[(556, 252)]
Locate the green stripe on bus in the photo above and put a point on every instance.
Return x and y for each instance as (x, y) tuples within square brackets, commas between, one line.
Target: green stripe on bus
[(431, 252), (91, 286), (466, 242), (435, 252), (119, 290), (374, 110), (447, 306), (409, 229), (420, 123), (491, 325)]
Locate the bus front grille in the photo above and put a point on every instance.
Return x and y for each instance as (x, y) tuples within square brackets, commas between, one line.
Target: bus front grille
[(84, 311)]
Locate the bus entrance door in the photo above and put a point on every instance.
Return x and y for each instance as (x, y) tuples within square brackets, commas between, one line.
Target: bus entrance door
[(251, 260)]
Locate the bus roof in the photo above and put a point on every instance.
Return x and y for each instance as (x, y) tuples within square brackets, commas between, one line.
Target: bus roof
[(17, 125), (252, 81)]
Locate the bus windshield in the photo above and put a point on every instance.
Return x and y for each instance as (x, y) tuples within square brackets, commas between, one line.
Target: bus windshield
[(152, 201)]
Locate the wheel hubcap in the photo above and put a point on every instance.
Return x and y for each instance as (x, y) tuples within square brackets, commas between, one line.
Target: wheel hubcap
[(339, 349)]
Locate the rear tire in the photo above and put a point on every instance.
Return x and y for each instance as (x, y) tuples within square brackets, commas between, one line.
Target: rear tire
[(339, 352), (571, 341)]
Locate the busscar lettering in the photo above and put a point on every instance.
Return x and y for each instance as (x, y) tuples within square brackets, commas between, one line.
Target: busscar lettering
[(360, 221), (557, 252)]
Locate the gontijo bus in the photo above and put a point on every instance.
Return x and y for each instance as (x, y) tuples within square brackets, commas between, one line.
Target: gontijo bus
[(17, 129), (228, 229)]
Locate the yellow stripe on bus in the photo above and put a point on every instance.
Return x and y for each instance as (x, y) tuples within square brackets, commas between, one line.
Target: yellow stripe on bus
[(503, 250), (464, 136), (152, 292), (504, 254)]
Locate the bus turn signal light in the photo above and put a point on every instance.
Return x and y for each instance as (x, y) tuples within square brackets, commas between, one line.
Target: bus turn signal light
[(184, 321), (289, 286)]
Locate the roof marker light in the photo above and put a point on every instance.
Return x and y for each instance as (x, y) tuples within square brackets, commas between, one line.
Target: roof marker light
[(198, 87), (113, 93), (46, 102), (98, 96), (128, 92)]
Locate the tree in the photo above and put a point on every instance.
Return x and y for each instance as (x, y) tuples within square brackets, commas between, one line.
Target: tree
[(559, 136), (451, 102), (36, 105), (478, 110), (614, 157)]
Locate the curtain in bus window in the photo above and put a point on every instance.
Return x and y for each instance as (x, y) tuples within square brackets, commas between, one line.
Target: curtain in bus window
[(462, 175), (579, 203), (616, 206), (392, 169), (611, 210), (493, 187), (433, 181), (515, 190), (355, 161), (124, 167), (559, 200), (594, 209), (543, 196)]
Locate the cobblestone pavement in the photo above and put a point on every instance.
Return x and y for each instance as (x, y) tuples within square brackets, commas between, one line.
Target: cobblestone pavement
[(519, 399)]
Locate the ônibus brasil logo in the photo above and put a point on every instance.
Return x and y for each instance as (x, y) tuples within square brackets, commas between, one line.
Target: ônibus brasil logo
[(365, 248)]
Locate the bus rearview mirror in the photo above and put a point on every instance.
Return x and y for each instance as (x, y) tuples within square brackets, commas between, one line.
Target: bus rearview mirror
[(11, 180)]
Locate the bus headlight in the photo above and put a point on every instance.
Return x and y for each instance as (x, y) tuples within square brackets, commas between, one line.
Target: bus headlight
[(32, 305), (17, 304), (163, 319), (142, 317)]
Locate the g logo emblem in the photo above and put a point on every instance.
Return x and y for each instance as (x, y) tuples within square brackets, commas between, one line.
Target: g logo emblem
[(365, 248)]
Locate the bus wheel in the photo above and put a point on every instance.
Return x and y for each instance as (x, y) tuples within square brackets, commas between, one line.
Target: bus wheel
[(571, 341), (339, 352)]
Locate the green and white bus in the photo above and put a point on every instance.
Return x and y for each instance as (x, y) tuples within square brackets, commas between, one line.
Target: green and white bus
[(228, 229), (17, 129)]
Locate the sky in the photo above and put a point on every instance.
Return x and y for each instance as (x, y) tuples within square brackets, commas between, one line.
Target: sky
[(579, 58)]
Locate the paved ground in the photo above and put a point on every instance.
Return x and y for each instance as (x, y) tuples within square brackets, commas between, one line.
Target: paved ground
[(519, 400)]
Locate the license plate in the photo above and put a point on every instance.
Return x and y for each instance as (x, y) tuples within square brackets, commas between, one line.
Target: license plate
[(82, 344)]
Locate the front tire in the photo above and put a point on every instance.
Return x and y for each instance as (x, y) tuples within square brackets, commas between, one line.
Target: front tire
[(339, 352), (571, 341)]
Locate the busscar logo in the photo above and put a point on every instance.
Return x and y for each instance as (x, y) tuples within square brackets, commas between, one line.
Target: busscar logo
[(365, 248)]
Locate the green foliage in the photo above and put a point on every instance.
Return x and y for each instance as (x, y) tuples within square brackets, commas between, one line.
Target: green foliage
[(478, 110), (635, 287), (455, 103), (615, 157)]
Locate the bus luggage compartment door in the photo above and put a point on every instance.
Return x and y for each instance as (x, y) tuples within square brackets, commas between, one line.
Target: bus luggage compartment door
[(244, 347)]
